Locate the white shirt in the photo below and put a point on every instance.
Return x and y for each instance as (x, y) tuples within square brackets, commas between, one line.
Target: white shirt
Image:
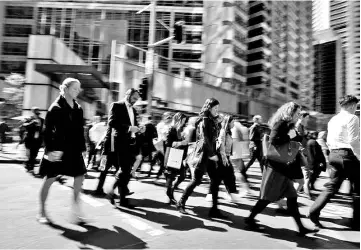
[(162, 129), (97, 132), (344, 132), (131, 115)]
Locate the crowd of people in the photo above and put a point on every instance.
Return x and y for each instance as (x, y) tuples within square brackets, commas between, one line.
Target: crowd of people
[(290, 158)]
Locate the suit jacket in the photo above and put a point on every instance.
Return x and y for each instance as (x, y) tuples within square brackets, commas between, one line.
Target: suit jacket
[(33, 128), (255, 135), (119, 122)]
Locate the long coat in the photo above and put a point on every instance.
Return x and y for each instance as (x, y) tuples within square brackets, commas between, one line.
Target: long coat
[(64, 131)]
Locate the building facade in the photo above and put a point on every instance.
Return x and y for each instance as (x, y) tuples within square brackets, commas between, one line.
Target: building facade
[(328, 71), (345, 21), (320, 15), (280, 51)]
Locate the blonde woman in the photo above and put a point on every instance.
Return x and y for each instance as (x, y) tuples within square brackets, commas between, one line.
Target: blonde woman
[(64, 144)]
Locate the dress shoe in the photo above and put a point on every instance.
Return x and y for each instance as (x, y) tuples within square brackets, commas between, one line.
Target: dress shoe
[(303, 231), (181, 208), (216, 213), (251, 223), (129, 193), (111, 198), (99, 193), (315, 220)]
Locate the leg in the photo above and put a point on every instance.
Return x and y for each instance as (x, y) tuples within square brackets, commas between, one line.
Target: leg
[(352, 165), (169, 185), (161, 164), (253, 156), (336, 178), (196, 180), (44, 194), (258, 208), (103, 174), (181, 177), (260, 157), (78, 183)]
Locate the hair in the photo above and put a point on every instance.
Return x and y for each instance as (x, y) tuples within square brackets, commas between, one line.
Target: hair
[(348, 100), (209, 103), (167, 116), (177, 119), (66, 84), (284, 113), (256, 118)]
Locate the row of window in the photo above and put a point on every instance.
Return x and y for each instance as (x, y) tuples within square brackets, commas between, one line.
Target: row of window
[(19, 12), (12, 67)]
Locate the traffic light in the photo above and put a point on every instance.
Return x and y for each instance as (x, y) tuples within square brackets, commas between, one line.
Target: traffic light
[(178, 31), (143, 89)]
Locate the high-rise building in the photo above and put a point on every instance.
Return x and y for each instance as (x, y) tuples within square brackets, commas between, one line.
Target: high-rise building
[(321, 14), (345, 21), (280, 51), (224, 40), (328, 66)]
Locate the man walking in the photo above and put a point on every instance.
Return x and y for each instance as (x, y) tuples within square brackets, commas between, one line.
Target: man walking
[(344, 143), (255, 144), (124, 125), (33, 137)]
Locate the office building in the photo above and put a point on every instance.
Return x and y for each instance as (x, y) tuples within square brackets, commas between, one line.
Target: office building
[(345, 21), (280, 51), (328, 71)]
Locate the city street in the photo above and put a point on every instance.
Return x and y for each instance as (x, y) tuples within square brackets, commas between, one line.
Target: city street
[(155, 224)]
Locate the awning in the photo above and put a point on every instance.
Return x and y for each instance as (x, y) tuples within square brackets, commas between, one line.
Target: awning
[(86, 74)]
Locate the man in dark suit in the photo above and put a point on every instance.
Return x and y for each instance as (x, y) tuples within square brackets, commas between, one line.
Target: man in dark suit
[(33, 137), (124, 125)]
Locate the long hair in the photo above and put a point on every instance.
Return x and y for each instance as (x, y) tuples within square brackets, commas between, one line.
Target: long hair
[(177, 119), (225, 123), (284, 113), (209, 103)]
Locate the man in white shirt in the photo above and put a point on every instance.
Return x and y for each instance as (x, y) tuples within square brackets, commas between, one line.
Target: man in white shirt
[(344, 143)]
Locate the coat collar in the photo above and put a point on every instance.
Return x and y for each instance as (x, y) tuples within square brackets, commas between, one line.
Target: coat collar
[(63, 103)]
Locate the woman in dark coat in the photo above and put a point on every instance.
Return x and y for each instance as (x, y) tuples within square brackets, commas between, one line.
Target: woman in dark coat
[(173, 139), (204, 158), (64, 144), (277, 180)]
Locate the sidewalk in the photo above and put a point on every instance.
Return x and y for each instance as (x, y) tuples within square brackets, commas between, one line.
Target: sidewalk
[(14, 153)]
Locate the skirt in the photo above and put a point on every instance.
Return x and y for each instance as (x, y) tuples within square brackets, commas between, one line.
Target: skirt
[(276, 186), (72, 164)]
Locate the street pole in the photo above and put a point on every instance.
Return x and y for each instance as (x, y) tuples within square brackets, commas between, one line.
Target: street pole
[(150, 56)]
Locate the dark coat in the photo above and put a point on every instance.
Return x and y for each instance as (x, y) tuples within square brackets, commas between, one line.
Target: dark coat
[(64, 131), (31, 128), (316, 158), (119, 122), (206, 136), (255, 134)]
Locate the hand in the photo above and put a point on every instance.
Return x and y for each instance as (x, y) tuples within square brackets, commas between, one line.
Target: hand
[(214, 158), (55, 156), (142, 129), (139, 157), (133, 129), (176, 144)]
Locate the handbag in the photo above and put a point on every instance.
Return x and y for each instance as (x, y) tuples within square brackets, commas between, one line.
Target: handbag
[(175, 158), (196, 156), (285, 154)]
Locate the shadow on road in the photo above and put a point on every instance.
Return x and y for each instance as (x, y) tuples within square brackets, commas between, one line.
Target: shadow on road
[(169, 221), (102, 237)]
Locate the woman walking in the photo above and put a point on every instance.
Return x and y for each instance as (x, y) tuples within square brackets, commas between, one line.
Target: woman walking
[(204, 157), (173, 139), (64, 144), (277, 178)]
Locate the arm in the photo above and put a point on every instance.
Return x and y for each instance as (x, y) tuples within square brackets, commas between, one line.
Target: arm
[(49, 129), (82, 137), (353, 128), (252, 131), (207, 135)]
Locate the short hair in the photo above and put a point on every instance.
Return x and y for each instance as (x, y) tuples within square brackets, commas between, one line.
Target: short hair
[(35, 110), (256, 118), (348, 100), (131, 91), (67, 83), (304, 113)]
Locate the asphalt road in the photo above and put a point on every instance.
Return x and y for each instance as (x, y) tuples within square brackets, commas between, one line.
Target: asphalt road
[(154, 223)]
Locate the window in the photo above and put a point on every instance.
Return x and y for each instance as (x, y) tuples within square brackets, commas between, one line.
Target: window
[(193, 37), (255, 44), (240, 70), (294, 95), (19, 12), (187, 56), (255, 56), (17, 30), (255, 32), (255, 68), (19, 49), (239, 53), (256, 20), (12, 66), (190, 18)]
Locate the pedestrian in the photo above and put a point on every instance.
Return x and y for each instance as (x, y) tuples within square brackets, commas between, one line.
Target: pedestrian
[(64, 144), (174, 139), (277, 177), (344, 160), (321, 140), (124, 125), (301, 136), (162, 128), (33, 137), (96, 135), (91, 137), (3, 129), (316, 161), (255, 144), (204, 157), (225, 167)]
